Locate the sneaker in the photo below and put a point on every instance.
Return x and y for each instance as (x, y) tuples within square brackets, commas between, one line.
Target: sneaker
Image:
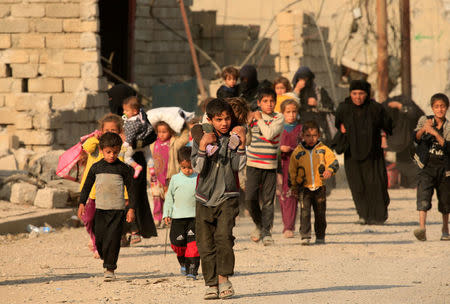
[(234, 142), (320, 241), (210, 149), (305, 242), (109, 276), (255, 236), (445, 236), (183, 270), (268, 240), (420, 234), (288, 234), (191, 277)]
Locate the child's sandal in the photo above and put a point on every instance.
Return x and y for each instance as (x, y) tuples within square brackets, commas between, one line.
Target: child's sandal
[(226, 290), (212, 293), (135, 238)]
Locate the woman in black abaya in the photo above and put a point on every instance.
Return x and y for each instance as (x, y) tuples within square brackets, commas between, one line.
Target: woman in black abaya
[(362, 120)]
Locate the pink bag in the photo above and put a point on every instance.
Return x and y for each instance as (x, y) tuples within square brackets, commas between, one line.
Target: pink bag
[(70, 158)]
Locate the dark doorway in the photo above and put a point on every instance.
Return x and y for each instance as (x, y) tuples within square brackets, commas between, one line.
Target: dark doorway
[(116, 25)]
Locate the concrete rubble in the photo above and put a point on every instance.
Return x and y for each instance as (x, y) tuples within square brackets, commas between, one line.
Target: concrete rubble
[(28, 177)]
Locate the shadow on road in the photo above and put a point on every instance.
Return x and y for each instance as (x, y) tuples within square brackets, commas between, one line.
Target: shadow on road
[(373, 243), (369, 232), (312, 290), (145, 253), (244, 274), (121, 276)]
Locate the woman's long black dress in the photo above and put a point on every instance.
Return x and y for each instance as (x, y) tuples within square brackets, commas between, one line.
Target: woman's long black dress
[(364, 159)]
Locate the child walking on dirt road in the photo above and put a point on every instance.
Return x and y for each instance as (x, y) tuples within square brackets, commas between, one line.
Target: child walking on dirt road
[(110, 176), (433, 158), (217, 196), (311, 163), (179, 213)]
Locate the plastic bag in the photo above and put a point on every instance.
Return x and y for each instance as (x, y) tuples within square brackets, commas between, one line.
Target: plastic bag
[(71, 157)]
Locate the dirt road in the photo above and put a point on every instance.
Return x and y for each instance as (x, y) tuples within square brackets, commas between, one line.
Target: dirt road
[(358, 264)]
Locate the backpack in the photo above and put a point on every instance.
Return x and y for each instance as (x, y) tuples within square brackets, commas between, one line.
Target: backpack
[(71, 158)]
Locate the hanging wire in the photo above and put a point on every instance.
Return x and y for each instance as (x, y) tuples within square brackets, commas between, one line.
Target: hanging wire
[(182, 37)]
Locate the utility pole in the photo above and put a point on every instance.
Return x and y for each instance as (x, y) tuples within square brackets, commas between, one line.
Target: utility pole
[(405, 48), (382, 51), (201, 87)]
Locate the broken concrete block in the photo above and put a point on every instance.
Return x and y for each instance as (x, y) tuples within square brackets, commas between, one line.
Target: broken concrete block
[(44, 164), (51, 198), (8, 163), (5, 192), (23, 193), (22, 156)]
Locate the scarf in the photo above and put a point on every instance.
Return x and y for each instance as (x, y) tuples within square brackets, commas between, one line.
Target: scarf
[(289, 127)]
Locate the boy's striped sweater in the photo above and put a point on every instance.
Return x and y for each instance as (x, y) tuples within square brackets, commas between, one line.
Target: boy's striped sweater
[(266, 136)]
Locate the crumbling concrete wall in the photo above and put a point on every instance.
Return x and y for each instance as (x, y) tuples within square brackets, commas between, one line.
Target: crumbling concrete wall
[(229, 45), (51, 84), (160, 56), (430, 34), (301, 45)]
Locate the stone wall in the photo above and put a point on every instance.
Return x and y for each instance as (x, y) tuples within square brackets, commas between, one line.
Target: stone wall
[(229, 45), (300, 45), (51, 84), (160, 56)]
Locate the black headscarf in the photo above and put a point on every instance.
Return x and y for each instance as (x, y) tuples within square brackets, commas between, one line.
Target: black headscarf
[(360, 85), (303, 73), (310, 87), (249, 78), (117, 95), (248, 86)]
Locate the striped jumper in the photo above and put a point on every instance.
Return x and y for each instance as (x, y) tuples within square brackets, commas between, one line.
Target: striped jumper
[(266, 136)]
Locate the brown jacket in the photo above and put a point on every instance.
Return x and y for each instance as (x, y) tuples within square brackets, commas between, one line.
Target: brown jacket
[(176, 142)]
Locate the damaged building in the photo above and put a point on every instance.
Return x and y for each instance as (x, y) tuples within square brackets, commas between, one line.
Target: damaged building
[(57, 57)]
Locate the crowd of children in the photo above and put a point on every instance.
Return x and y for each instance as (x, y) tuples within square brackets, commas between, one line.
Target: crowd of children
[(248, 147)]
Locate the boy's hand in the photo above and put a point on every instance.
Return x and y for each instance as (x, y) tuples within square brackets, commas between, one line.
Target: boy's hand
[(80, 212), (130, 216), (343, 130), (257, 115), (428, 127), (312, 102), (240, 131), (167, 220), (327, 174), (285, 149), (207, 138)]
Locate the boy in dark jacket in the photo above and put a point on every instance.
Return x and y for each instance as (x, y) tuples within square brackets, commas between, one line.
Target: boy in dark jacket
[(217, 195), (433, 157)]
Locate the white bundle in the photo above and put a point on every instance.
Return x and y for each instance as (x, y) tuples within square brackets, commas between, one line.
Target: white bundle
[(175, 117)]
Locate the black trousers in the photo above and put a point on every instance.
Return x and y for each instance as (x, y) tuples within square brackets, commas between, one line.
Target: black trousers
[(431, 178), (318, 201), (215, 240), (183, 243), (260, 188), (108, 226)]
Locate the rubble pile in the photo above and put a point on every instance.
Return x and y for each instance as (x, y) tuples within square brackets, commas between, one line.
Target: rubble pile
[(28, 177)]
